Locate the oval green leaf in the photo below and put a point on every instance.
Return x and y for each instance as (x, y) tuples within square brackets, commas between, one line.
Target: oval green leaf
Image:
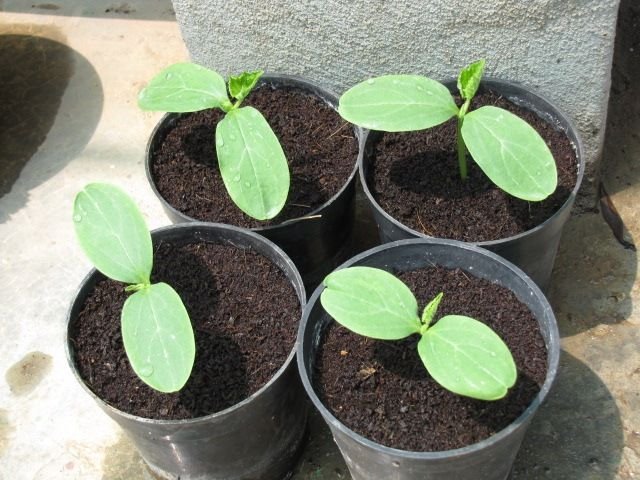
[(469, 79), (468, 358), (184, 87), (397, 103), (112, 233), (158, 337), (371, 302), (510, 152), (252, 164)]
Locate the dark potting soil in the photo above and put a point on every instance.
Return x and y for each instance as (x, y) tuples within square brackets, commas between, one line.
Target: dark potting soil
[(414, 177), (381, 389), (245, 316), (320, 147)]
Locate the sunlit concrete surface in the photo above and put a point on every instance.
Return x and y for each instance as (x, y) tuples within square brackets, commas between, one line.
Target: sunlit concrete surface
[(70, 71)]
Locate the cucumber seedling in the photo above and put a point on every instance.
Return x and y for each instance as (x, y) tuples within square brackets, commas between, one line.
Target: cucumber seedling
[(252, 163), (156, 329), (506, 148), (462, 354)]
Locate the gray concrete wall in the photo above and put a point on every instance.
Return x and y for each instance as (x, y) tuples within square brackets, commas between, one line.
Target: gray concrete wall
[(561, 48)]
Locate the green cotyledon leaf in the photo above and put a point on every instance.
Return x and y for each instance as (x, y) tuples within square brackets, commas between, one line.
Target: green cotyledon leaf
[(158, 337), (113, 234), (252, 163), (371, 302), (397, 103), (510, 152), (468, 358), (184, 87)]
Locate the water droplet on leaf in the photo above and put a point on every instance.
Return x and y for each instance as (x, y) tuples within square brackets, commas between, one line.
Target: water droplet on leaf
[(396, 82), (370, 81), (236, 178), (77, 218), (420, 87), (247, 184), (168, 76), (146, 370), (220, 142)]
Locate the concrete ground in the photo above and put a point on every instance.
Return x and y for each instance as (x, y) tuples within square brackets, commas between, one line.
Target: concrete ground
[(69, 75)]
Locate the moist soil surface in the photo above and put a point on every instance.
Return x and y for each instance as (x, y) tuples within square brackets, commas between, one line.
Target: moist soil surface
[(414, 177), (245, 317), (320, 147), (381, 389)]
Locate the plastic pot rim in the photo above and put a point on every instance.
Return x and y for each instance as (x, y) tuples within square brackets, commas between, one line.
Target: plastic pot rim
[(229, 410), (552, 367), (328, 97), (492, 82)]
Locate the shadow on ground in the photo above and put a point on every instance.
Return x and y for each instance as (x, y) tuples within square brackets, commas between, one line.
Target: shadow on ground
[(36, 74), (593, 277), (623, 125), (321, 458), (594, 273), (577, 433)]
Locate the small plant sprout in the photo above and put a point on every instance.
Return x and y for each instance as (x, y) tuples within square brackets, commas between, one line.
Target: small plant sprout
[(507, 149), (156, 330), (462, 354), (252, 163)]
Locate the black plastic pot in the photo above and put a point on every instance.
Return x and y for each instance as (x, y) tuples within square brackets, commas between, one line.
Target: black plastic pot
[(315, 242), (258, 438), (534, 251), (490, 459)]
